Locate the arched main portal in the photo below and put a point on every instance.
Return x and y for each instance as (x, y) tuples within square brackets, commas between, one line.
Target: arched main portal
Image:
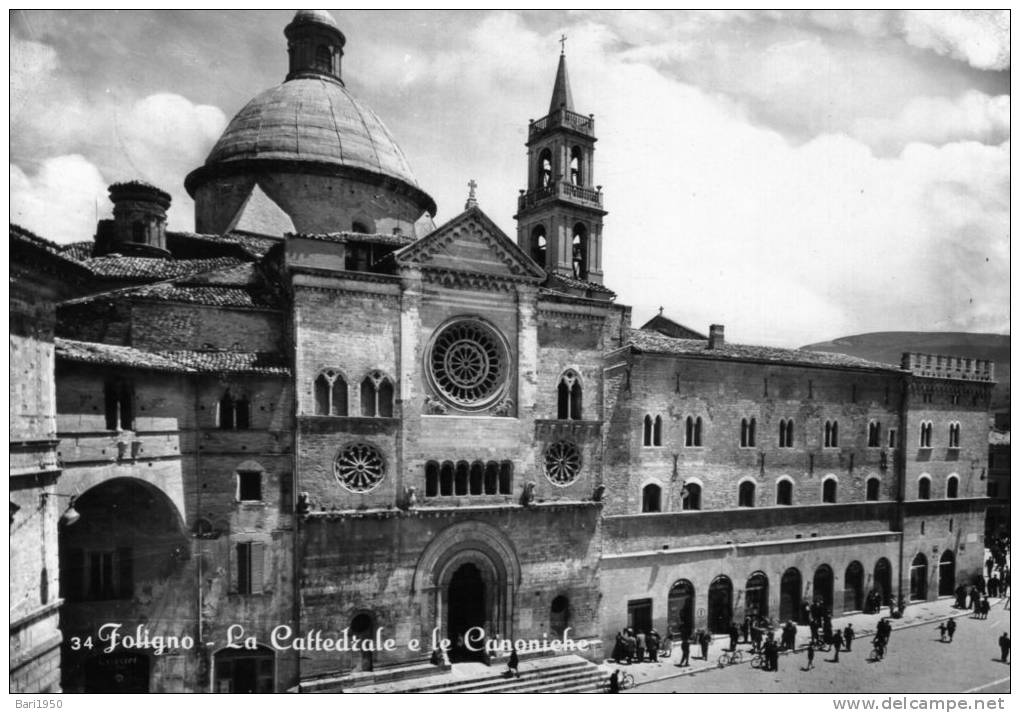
[(853, 587), (720, 605), (680, 607), (947, 574), (467, 577), (790, 596)]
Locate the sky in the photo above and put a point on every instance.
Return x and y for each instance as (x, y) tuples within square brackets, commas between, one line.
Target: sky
[(795, 176)]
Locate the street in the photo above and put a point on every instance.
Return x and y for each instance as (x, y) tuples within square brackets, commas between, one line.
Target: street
[(916, 662)]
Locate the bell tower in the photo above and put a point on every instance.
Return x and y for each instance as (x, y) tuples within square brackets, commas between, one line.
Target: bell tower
[(559, 216)]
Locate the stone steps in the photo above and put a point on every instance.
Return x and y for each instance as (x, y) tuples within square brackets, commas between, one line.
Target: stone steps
[(547, 675)]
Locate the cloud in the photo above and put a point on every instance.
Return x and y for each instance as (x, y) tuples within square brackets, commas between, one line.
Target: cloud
[(157, 137), (59, 201), (978, 37), (974, 116)]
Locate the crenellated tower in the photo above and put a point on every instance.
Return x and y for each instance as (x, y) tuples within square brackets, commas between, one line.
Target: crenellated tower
[(559, 216)]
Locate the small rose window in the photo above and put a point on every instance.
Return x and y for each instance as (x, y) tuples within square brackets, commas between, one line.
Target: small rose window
[(562, 463), (359, 468)]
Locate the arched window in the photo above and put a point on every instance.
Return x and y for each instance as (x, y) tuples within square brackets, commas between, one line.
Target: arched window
[(831, 434), (657, 431), (233, 413), (377, 396), (690, 496), (952, 487), (579, 251), (491, 478), (446, 478), (873, 434), (829, 490), (138, 232), (784, 492), (460, 478), (575, 166), (954, 435), (720, 604), (947, 573), (545, 176), (745, 494), (538, 245), (871, 489), (924, 488), (431, 479), (925, 435), (786, 433), (689, 431), (697, 431), (747, 429), (506, 477), (330, 394), (323, 58), (476, 480), (119, 401), (647, 436), (568, 403), (651, 498)]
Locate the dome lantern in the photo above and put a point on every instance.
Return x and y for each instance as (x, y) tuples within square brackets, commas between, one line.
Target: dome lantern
[(315, 45)]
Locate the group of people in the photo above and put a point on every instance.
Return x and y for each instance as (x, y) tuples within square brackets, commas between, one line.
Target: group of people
[(634, 646), (946, 630)]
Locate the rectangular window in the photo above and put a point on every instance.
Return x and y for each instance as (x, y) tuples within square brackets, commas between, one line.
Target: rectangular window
[(109, 574), (249, 486), (250, 564), (892, 437), (639, 614)]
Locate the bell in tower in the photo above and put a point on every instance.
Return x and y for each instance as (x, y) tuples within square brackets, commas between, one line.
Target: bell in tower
[(559, 216)]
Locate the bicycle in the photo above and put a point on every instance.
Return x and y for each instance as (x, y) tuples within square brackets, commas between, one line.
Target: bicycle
[(758, 661), (626, 681), (730, 657)]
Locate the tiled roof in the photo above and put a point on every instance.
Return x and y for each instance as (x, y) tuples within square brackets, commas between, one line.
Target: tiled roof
[(580, 284), (254, 244), (184, 361), (655, 343), (213, 295), (80, 250), (148, 268), (347, 237), (27, 236)]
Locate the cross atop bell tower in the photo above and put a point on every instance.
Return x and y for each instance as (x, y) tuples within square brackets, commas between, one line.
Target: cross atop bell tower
[(559, 216)]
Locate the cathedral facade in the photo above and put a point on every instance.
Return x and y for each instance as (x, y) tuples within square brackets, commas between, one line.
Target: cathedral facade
[(322, 413)]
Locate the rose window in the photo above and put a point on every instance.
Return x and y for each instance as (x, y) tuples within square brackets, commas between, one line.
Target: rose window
[(562, 463), (359, 468), (468, 364)]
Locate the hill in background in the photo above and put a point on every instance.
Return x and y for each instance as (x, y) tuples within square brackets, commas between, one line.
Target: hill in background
[(888, 347)]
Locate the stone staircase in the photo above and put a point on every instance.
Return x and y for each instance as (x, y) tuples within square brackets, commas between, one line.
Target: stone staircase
[(550, 674)]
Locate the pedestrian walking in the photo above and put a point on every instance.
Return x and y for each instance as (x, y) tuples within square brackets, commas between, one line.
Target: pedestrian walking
[(513, 664), (942, 631), (837, 644), (614, 682), (1004, 646), (734, 635), (685, 649), (848, 636), (706, 640), (653, 641), (810, 656), (745, 628), (951, 629)]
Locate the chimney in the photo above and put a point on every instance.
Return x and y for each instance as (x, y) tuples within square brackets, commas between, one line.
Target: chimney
[(715, 336)]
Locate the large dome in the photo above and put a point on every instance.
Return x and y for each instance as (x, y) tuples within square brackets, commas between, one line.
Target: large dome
[(316, 120)]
